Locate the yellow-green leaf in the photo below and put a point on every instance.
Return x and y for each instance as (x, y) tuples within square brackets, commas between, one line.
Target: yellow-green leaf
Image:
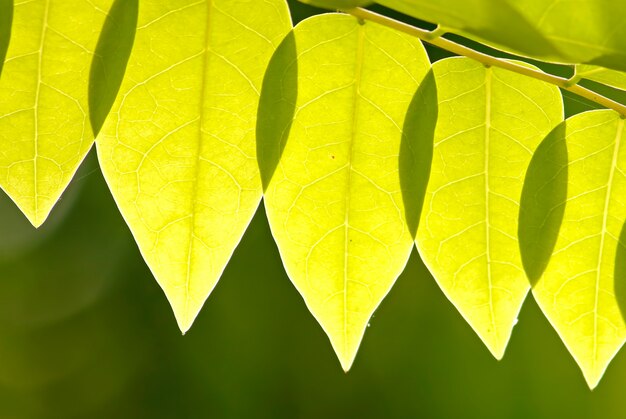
[(612, 78), (490, 122), (334, 202), (338, 4), (44, 119), (581, 290), (178, 149), (582, 31)]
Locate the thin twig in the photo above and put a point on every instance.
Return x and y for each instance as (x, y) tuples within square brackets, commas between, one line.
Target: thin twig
[(488, 60)]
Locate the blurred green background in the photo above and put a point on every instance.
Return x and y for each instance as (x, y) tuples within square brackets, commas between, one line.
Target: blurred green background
[(85, 332)]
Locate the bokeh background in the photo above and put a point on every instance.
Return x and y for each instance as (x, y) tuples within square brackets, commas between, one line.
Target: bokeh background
[(85, 332)]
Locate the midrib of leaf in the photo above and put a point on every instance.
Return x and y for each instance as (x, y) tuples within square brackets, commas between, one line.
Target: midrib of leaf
[(358, 73), (42, 40), (488, 84), (194, 194), (605, 216)]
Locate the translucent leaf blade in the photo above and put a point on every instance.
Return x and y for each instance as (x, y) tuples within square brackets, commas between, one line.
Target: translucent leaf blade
[(334, 201), (579, 290), (44, 122), (178, 149), (490, 122), (587, 31), (612, 78)]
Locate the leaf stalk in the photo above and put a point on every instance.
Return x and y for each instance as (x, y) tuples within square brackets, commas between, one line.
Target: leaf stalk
[(431, 37)]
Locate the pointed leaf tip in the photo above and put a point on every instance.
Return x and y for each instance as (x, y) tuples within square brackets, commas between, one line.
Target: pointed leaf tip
[(178, 148), (334, 201), (44, 122), (490, 122), (579, 291)]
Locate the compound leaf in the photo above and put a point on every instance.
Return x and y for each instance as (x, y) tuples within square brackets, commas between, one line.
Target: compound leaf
[(581, 290), (44, 119), (178, 149), (334, 202), (490, 122)]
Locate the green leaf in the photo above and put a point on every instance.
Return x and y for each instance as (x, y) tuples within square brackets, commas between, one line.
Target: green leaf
[(612, 78), (338, 4), (178, 148), (586, 31), (44, 121), (490, 122), (581, 290), (334, 202)]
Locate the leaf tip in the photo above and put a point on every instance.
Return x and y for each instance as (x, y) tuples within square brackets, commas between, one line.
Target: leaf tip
[(185, 317), (185, 321), (346, 362), (592, 375)]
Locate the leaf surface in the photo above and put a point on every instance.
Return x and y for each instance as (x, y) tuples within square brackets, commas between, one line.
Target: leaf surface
[(564, 31), (178, 149), (490, 122), (612, 78), (581, 290), (44, 118), (334, 202)]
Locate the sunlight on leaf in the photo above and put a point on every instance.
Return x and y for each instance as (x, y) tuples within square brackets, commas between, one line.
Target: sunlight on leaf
[(44, 122), (612, 78), (490, 122), (178, 149), (580, 289), (334, 202)]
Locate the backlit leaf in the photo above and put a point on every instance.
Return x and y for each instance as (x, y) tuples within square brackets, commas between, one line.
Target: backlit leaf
[(44, 119), (490, 122), (334, 202), (178, 149), (602, 75), (582, 290), (583, 31)]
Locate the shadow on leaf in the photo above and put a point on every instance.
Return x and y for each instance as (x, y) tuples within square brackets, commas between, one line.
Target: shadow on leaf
[(6, 19), (619, 276), (416, 149), (277, 107), (110, 59), (543, 203)]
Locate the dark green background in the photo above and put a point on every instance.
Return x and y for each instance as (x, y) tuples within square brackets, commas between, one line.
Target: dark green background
[(85, 332)]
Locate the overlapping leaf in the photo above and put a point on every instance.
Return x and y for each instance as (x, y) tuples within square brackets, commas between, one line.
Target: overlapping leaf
[(490, 122), (566, 31), (178, 149), (581, 288), (44, 118), (335, 199), (602, 75)]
